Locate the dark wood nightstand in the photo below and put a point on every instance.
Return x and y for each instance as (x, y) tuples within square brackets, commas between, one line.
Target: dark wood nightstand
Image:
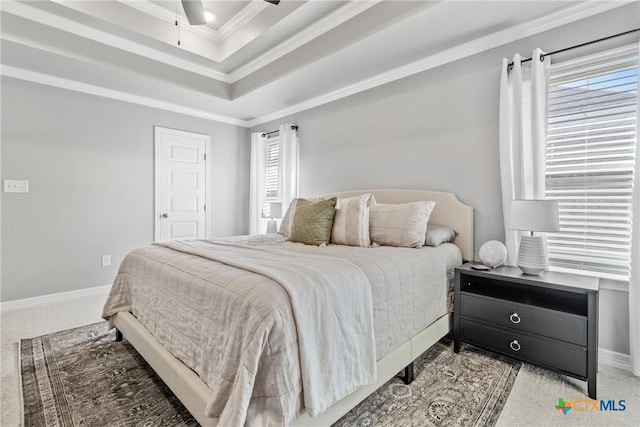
[(550, 320)]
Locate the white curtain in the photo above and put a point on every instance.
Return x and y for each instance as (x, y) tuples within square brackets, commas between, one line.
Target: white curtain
[(634, 280), (288, 164), (522, 136), (257, 182)]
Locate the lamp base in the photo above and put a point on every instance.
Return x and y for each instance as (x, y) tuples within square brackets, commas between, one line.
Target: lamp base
[(532, 255), (272, 226)]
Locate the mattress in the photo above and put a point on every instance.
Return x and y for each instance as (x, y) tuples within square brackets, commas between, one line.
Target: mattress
[(170, 292)]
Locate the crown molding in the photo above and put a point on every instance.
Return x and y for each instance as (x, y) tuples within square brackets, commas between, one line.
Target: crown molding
[(490, 41), (70, 26), (59, 82), (335, 18), (245, 15), (511, 34), (339, 16), (568, 15)]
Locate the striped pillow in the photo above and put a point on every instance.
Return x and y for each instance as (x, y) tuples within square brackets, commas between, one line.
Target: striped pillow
[(351, 223)]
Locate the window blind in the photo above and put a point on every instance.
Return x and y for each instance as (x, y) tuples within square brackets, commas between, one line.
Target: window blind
[(272, 178), (590, 152)]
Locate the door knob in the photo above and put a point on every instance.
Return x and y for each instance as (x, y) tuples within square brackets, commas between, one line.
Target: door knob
[(165, 215)]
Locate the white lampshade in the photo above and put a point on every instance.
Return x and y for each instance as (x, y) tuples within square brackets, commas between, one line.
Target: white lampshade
[(272, 210), (534, 215)]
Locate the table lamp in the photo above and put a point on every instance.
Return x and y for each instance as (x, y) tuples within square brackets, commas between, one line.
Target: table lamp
[(272, 210), (534, 215)]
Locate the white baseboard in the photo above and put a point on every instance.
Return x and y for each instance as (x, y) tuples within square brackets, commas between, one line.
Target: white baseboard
[(614, 359), (20, 304)]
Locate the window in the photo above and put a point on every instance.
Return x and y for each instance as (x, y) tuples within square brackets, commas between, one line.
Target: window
[(274, 175), (590, 152), (272, 170)]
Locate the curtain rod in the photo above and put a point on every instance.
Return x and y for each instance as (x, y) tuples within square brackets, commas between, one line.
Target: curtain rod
[(293, 127), (542, 56)]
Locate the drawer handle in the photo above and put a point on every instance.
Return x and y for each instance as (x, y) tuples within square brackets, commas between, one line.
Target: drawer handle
[(514, 318), (515, 345)]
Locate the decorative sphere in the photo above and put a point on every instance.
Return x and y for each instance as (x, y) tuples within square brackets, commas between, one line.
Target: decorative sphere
[(493, 253)]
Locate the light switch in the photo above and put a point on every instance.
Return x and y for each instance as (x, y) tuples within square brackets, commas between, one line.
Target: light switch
[(15, 186)]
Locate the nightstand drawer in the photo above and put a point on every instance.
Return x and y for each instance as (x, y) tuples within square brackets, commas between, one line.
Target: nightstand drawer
[(559, 355), (567, 327)]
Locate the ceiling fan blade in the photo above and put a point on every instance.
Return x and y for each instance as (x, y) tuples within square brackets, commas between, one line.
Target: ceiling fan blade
[(194, 11), (273, 1)]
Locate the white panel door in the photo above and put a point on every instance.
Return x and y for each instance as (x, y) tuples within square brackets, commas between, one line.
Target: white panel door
[(181, 185)]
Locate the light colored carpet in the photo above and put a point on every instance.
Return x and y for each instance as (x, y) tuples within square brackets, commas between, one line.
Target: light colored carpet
[(536, 392)]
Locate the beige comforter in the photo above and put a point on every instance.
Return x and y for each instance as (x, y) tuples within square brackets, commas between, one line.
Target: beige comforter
[(200, 309), (330, 301)]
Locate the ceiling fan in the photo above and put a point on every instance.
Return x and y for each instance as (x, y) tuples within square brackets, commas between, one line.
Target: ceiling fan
[(195, 11)]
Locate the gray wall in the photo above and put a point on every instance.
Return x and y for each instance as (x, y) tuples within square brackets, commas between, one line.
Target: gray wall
[(89, 162), (439, 130)]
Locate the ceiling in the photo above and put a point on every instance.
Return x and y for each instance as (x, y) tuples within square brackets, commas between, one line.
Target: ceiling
[(229, 13), (256, 61)]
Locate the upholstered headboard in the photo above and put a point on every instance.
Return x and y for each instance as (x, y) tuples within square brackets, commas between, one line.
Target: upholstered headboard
[(448, 211)]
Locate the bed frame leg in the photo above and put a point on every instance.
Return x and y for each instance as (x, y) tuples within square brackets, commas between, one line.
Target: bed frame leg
[(408, 375), (118, 335)]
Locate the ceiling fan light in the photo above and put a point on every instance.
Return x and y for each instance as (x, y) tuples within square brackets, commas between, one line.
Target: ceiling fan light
[(210, 17), (194, 10)]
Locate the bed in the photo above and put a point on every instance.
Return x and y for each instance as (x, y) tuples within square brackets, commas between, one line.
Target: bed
[(176, 357)]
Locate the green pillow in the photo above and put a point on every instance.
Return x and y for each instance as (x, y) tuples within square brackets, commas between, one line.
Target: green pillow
[(312, 221)]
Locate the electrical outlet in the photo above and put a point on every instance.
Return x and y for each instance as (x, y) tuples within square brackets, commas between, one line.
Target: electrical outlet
[(14, 186), (106, 260)]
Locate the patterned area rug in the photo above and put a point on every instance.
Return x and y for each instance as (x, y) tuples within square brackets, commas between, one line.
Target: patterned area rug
[(465, 389), (83, 377)]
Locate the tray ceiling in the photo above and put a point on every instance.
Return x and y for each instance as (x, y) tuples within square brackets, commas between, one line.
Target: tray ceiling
[(255, 61)]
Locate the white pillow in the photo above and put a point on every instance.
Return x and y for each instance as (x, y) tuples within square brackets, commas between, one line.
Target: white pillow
[(285, 225), (403, 224), (438, 234), (351, 222)]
